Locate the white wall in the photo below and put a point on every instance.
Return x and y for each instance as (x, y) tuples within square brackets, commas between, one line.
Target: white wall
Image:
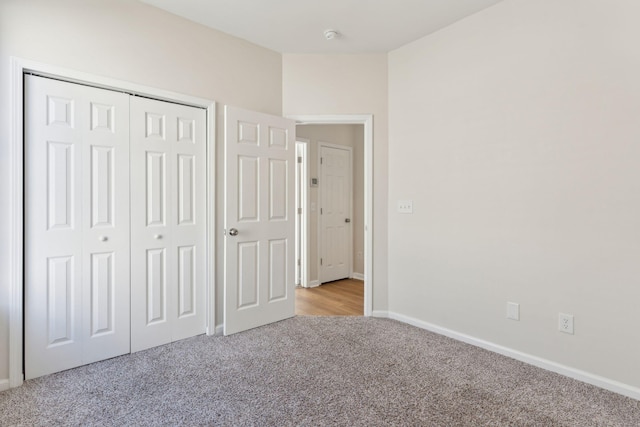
[(130, 41), (516, 132), (348, 84), (349, 136)]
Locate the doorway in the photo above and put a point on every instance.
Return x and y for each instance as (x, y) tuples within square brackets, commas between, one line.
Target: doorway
[(335, 208)]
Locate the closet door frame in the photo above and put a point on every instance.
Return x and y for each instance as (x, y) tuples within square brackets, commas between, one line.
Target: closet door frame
[(20, 67)]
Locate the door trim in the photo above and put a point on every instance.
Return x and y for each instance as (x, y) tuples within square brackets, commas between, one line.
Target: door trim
[(320, 232), (367, 121), (21, 66), (303, 219)]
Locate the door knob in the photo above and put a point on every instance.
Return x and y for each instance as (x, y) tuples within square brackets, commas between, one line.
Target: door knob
[(347, 220), (157, 236), (233, 232), (103, 238)]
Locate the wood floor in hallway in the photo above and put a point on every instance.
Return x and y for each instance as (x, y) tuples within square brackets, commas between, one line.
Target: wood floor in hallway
[(339, 298)]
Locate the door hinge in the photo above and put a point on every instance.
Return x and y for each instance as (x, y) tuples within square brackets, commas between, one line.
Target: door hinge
[(299, 211), (321, 159), (298, 261), (320, 261), (299, 159), (320, 211)]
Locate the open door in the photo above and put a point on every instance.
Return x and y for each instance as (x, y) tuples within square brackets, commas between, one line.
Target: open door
[(259, 283)]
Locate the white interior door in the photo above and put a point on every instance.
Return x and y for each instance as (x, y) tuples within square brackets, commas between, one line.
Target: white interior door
[(76, 225), (335, 213), (168, 222), (259, 219)]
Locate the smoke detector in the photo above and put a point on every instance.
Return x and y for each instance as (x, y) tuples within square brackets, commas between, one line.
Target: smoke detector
[(331, 34)]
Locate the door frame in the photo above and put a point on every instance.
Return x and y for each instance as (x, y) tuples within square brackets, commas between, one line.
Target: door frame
[(302, 220), (367, 121), (350, 209), (19, 67)]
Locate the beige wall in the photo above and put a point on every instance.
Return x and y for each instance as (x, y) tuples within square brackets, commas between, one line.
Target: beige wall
[(516, 134), (130, 41), (348, 84), (349, 136)]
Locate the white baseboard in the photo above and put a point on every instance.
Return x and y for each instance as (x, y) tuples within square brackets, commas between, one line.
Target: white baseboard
[(380, 313), (358, 276), (589, 378), (314, 283), (219, 329), (4, 384)]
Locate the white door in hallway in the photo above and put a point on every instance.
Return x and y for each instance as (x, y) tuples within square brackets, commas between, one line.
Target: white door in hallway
[(335, 213), (168, 222), (259, 219), (76, 225)]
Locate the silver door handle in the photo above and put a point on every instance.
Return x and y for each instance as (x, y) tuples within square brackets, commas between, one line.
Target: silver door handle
[(233, 232), (103, 238), (157, 236), (347, 220)]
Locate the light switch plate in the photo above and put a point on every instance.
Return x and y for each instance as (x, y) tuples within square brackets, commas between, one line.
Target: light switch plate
[(513, 311), (405, 206)]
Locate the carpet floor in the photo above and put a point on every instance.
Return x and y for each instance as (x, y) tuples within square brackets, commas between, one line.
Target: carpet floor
[(315, 371)]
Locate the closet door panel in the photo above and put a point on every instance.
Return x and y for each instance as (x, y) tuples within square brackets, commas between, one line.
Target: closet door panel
[(151, 218), (106, 299), (76, 285), (189, 228), (167, 222)]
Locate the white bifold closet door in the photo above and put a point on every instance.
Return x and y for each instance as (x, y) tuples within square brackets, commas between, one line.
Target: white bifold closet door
[(76, 225), (168, 222), (112, 264)]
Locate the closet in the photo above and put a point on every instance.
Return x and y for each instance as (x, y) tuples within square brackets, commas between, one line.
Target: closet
[(114, 223)]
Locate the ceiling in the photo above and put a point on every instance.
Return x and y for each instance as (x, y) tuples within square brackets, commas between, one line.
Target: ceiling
[(297, 26)]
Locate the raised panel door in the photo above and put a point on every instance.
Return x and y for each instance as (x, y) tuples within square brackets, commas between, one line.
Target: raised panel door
[(76, 225), (105, 213), (335, 213), (168, 225), (259, 205)]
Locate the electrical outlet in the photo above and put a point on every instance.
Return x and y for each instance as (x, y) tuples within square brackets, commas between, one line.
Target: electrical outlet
[(513, 311), (405, 206), (565, 323)]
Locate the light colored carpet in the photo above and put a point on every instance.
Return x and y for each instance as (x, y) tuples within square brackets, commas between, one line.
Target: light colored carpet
[(315, 371)]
